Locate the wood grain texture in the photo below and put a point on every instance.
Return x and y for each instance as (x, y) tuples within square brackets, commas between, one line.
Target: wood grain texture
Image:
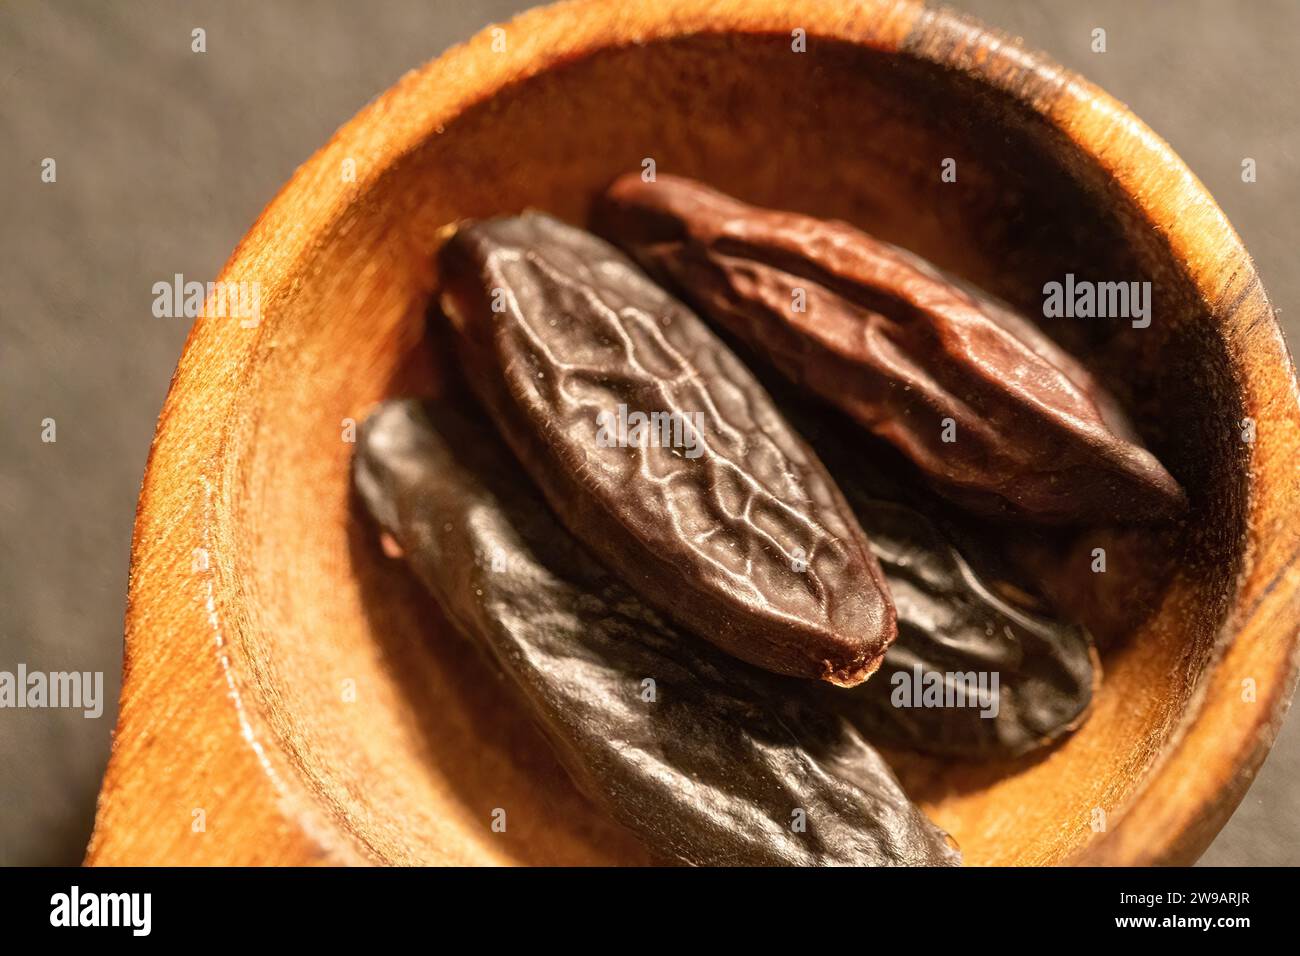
[(235, 698)]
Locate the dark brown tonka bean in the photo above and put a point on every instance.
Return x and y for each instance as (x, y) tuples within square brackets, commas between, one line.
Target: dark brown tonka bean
[(710, 761), (998, 418), (725, 519)]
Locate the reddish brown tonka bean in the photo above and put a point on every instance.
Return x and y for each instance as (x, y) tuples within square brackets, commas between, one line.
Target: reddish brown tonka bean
[(998, 418), (723, 518)]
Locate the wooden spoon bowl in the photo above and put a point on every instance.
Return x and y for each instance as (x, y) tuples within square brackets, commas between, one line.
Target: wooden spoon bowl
[(291, 695)]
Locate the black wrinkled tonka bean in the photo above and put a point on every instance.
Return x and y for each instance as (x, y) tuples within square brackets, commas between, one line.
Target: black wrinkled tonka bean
[(951, 620), (951, 623), (712, 771), (742, 538)]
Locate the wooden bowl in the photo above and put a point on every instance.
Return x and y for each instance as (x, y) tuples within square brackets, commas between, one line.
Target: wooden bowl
[(292, 696)]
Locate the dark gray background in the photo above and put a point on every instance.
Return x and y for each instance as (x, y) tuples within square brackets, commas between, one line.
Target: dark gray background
[(165, 157)]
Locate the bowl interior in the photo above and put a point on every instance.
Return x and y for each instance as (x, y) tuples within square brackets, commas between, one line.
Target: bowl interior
[(402, 739)]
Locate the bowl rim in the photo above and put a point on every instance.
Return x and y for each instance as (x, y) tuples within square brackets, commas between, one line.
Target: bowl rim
[(1185, 796)]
